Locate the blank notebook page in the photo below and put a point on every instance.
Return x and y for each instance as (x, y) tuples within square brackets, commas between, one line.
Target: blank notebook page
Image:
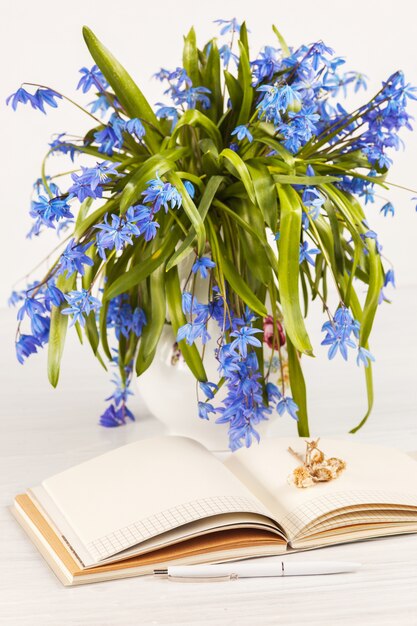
[(143, 489)]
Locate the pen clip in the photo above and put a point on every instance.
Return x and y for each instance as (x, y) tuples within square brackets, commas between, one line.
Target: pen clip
[(201, 579)]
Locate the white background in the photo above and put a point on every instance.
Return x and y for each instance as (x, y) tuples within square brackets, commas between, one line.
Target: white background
[(42, 42)]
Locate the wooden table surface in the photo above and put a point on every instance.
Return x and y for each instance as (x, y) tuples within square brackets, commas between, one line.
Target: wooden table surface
[(44, 431)]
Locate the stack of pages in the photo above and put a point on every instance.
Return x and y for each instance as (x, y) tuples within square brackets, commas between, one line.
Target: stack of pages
[(168, 500)]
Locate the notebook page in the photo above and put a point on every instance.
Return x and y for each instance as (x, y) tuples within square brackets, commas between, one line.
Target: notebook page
[(373, 475), (143, 489)]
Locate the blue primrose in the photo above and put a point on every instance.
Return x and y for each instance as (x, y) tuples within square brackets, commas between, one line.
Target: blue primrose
[(388, 209), (91, 77), (113, 417), (244, 337), (81, 304), (202, 265), (25, 346), (287, 405), (208, 389), (364, 357), (204, 408), (74, 258), (242, 132), (306, 252), (42, 96), (228, 26), (161, 194)]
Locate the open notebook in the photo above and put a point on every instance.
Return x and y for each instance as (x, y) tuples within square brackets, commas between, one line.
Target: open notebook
[(169, 500)]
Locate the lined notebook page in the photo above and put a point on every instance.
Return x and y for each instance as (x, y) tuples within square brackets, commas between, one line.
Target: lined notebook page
[(373, 475), (141, 490)]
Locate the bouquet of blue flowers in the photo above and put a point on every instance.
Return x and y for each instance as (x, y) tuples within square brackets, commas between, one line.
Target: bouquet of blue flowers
[(254, 173)]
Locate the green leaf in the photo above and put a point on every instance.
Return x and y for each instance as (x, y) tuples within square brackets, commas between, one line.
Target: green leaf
[(142, 270), (91, 332), (211, 80), (178, 319), (190, 58), (240, 286), (187, 245), (155, 309), (234, 89), (194, 118), (191, 211), (337, 241), (245, 80), (288, 269), (282, 42), (82, 213), (103, 329), (127, 92), (265, 192), (376, 281), (298, 388), (58, 330), (358, 314), (261, 257), (239, 169), (303, 180)]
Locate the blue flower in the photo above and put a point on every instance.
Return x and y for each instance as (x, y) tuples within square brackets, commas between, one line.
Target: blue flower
[(387, 209), (123, 318), (112, 417), (306, 252), (190, 188), (204, 408), (244, 338), (202, 265), (53, 295), (25, 346), (389, 278), (287, 405), (191, 332), (74, 258), (242, 133), (208, 389), (60, 145), (81, 186), (364, 356), (161, 194), (42, 96), (168, 113), (266, 65), (227, 55), (46, 96), (100, 105), (91, 77), (48, 211), (117, 413), (118, 233), (227, 26), (337, 338), (89, 183), (314, 201), (21, 96), (81, 303), (135, 127)]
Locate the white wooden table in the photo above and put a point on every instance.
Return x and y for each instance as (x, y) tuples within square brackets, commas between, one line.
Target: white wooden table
[(43, 431)]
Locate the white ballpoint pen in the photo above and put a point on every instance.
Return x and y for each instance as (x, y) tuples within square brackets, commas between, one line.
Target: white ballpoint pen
[(235, 570)]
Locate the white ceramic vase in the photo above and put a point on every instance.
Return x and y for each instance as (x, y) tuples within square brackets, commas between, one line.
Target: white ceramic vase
[(169, 390)]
